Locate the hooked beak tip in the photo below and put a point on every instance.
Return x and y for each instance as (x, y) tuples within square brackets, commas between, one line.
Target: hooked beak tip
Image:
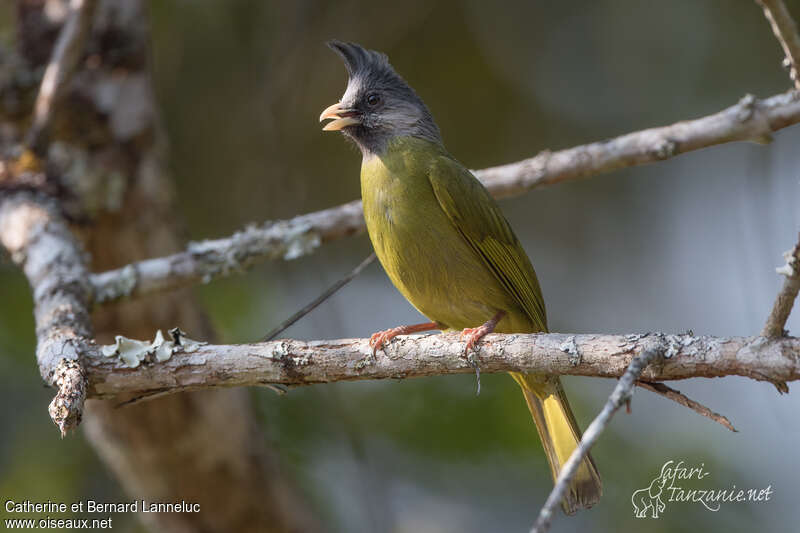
[(341, 117), (330, 112)]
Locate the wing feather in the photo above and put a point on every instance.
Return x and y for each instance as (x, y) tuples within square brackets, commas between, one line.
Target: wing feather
[(478, 218)]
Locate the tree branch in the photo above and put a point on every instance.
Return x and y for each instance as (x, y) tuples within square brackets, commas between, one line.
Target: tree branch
[(749, 119), (785, 30), (680, 398), (66, 53), (654, 349), (41, 244), (784, 302), (294, 362)]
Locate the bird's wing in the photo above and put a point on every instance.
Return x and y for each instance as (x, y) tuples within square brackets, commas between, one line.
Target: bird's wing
[(477, 217)]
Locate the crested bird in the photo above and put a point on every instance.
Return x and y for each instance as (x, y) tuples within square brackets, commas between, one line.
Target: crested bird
[(445, 244)]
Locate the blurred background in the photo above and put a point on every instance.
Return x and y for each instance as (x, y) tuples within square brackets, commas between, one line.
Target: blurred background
[(691, 243)]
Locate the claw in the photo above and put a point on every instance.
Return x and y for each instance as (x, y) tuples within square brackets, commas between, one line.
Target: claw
[(474, 336), (377, 340)]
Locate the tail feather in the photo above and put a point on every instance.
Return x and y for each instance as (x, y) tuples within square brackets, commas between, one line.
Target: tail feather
[(560, 435)]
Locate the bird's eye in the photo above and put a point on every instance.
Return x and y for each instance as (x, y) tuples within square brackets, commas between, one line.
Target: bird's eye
[(373, 99)]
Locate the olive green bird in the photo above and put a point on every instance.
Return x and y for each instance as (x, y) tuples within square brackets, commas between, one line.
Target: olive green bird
[(444, 242)]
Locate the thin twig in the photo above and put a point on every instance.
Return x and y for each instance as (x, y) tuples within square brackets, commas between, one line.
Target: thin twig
[(330, 291), (678, 397), (622, 393), (66, 53), (785, 30), (200, 262), (784, 302)]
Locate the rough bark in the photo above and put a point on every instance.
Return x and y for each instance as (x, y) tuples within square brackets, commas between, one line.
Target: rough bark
[(294, 362), (104, 155), (39, 241)]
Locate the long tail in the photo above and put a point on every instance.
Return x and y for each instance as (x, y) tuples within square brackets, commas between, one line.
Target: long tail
[(560, 436)]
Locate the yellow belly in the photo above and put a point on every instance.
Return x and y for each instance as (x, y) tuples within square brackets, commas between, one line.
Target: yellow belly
[(423, 254)]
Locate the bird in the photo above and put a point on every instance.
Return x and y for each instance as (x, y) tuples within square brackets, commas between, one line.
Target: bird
[(445, 244)]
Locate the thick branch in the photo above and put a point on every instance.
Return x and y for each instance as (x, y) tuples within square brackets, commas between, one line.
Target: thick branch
[(785, 30), (750, 119), (41, 244), (293, 362)]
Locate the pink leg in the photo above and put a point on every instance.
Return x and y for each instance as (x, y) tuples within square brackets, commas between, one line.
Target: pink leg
[(474, 335), (377, 340)]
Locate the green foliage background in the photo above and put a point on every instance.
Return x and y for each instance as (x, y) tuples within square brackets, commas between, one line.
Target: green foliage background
[(690, 243)]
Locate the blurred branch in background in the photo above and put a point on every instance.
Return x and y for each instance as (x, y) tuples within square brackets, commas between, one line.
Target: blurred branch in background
[(749, 119), (295, 362), (102, 162), (785, 30), (67, 51), (41, 244)]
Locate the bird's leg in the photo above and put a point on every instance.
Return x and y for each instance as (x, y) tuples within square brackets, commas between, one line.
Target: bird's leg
[(377, 340), (474, 335)]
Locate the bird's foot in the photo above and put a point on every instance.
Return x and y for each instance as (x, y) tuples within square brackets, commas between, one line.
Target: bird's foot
[(379, 339), (474, 336)]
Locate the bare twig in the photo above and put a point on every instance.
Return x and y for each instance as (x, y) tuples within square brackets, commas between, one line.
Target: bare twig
[(330, 291), (655, 348), (294, 362), (785, 30), (41, 244), (787, 295), (748, 119), (66, 53), (678, 397)]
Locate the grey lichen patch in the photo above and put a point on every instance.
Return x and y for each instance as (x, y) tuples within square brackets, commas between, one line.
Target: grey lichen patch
[(300, 240), (570, 347), (111, 287), (222, 257), (163, 349), (788, 269), (302, 360), (675, 343), (183, 342), (369, 360), (132, 352), (665, 149), (279, 350)]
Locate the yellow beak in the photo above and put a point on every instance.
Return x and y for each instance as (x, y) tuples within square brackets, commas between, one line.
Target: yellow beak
[(342, 117)]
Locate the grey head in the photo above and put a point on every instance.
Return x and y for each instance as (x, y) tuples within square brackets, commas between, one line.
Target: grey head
[(378, 104)]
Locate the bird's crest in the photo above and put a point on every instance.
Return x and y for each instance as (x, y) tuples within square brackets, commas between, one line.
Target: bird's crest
[(360, 61)]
